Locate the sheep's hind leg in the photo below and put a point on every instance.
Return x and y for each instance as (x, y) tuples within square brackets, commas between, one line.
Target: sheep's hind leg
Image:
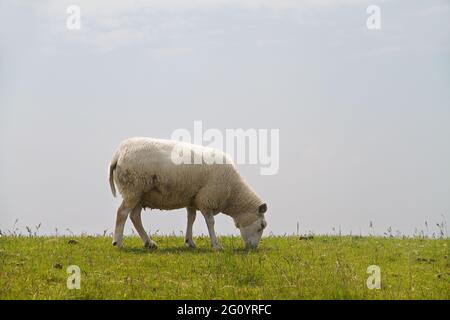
[(135, 217), (122, 215), (191, 214), (209, 218)]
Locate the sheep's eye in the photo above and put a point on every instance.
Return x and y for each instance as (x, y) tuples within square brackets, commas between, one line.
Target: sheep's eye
[(261, 228)]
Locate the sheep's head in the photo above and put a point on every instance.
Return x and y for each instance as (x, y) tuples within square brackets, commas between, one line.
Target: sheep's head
[(252, 231)]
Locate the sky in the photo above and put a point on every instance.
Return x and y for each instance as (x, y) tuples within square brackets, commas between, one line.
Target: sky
[(363, 115)]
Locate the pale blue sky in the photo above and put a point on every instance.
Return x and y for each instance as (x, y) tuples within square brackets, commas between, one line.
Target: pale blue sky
[(363, 115)]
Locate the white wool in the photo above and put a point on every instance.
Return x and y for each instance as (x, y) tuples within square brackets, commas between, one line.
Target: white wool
[(145, 174)]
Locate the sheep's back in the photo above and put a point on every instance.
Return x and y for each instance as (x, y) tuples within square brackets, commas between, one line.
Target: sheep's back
[(145, 169)]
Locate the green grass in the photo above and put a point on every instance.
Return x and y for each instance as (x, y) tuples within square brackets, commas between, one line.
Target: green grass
[(282, 268)]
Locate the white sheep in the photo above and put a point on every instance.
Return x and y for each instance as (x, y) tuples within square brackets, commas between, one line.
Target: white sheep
[(146, 175)]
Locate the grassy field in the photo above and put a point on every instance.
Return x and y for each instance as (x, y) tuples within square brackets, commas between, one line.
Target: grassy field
[(282, 268)]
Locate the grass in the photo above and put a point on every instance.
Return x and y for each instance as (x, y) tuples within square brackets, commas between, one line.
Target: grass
[(321, 267)]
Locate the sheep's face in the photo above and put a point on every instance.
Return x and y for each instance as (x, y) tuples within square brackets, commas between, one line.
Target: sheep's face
[(251, 234)]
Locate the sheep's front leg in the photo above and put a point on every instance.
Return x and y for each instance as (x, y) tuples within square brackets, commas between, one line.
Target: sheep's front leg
[(191, 214), (209, 218), (135, 217), (122, 215)]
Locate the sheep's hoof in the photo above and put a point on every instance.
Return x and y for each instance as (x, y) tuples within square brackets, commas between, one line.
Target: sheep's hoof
[(150, 245), (116, 244), (190, 243)]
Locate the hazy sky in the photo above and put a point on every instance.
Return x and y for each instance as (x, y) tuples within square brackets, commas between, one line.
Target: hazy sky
[(364, 115)]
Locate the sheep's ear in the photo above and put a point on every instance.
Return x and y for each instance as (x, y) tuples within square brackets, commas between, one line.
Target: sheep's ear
[(262, 209)]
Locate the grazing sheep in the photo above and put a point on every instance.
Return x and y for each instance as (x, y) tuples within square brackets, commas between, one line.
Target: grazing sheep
[(146, 176)]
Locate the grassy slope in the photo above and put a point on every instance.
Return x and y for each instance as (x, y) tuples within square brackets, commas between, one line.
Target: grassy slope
[(283, 268)]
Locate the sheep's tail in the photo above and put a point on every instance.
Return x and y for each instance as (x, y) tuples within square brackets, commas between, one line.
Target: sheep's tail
[(112, 166)]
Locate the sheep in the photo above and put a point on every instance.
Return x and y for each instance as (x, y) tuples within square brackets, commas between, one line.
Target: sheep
[(146, 175)]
